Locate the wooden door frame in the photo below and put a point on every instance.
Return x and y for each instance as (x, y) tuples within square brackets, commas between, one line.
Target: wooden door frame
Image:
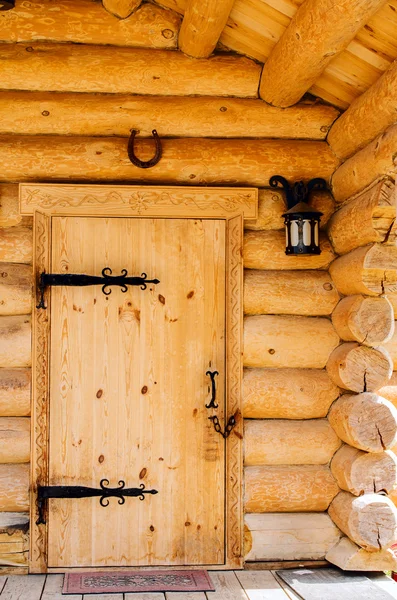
[(230, 204)]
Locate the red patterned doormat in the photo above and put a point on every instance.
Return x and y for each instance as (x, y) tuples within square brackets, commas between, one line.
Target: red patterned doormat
[(137, 581)]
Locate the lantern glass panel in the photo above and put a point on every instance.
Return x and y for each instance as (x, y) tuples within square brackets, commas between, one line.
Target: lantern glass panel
[(294, 233), (306, 233)]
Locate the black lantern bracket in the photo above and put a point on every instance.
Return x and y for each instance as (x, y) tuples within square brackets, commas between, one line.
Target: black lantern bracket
[(299, 191)]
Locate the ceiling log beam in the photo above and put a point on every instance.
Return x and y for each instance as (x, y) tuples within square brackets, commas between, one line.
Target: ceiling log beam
[(121, 8), (318, 32), (368, 116), (86, 68), (202, 26)]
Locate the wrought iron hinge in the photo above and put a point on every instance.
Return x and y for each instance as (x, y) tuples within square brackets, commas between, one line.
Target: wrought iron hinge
[(78, 491), (107, 279)]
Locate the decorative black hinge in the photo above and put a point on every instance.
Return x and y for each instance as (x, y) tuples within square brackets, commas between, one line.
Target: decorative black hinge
[(78, 491), (107, 279)]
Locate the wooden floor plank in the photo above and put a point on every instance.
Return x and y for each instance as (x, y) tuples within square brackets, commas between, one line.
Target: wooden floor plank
[(185, 596), (261, 585), (3, 579), (145, 596), (290, 593), (385, 583), (227, 586), (101, 597), (53, 589), (23, 587)]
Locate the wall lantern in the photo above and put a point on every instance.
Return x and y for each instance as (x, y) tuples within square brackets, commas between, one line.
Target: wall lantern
[(302, 222)]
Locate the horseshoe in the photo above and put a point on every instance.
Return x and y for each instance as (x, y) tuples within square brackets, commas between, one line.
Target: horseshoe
[(144, 164)]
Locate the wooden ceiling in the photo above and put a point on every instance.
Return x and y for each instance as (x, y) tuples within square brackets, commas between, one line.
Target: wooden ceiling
[(255, 26)]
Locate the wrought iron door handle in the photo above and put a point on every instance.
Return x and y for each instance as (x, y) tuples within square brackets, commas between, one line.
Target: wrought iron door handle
[(144, 164), (212, 404)]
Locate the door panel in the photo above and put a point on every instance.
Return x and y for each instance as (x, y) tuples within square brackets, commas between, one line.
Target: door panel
[(128, 391)]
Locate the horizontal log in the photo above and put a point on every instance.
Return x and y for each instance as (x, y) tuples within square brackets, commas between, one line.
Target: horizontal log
[(369, 321), (14, 548), (14, 488), (287, 393), (349, 557), (286, 341), (360, 472), (185, 160), (306, 293), (318, 32), (359, 368), (371, 271), (15, 387), (9, 205), (266, 250), (14, 520), (85, 22), (271, 202), (288, 536), (16, 287), (35, 113), (370, 520), (305, 488), (389, 391), (284, 442), (365, 421), (16, 244), (369, 218), (391, 347), (15, 341), (14, 440), (372, 162), (116, 70), (356, 127)]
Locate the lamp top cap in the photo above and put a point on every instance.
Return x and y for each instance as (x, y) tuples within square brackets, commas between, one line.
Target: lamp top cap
[(304, 209)]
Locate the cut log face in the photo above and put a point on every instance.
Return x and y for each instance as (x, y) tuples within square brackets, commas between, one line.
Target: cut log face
[(360, 472), (368, 218), (366, 421), (389, 391), (14, 440), (272, 204), (288, 536), (16, 245), (287, 393), (371, 270), (370, 520), (16, 288), (349, 557), (283, 442), (15, 387), (14, 488), (391, 347), (283, 341), (266, 250), (369, 321), (288, 488), (359, 368), (15, 341), (307, 293)]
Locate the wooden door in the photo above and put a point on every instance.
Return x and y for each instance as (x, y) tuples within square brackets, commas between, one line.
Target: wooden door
[(128, 389)]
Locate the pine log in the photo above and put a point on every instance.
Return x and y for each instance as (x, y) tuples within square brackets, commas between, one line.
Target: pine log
[(318, 32), (284, 341), (372, 162), (123, 8), (288, 536), (35, 113), (85, 22), (16, 244), (284, 442), (391, 347), (16, 288), (370, 520), (266, 250), (369, 321), (187, 160), (15, 387), (365, 421), (15, 341), (392, 297), (286, 393), (202, 26), (359, 368), (371, 270), (13, 520), (307, 488), (14, 440), (348, 134), (370, 217), (116, 70), (271, 202), (9, 205), (349, 557), (389, 391), (307, 293), (14, 548), (14, 488), (360, 472)]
